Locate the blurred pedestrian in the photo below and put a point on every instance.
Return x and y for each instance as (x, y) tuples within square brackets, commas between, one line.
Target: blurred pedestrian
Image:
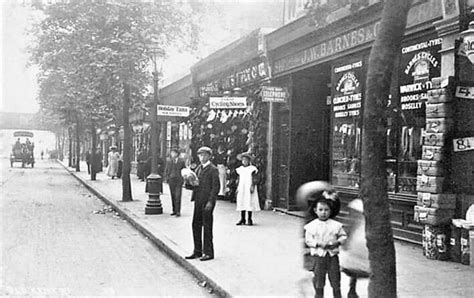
[(175, 180), (220, 160), (141, 158), (113, 158), (354, 255), (88, 161), (247, 194), (323, 236), (205, 191), (42, 154)]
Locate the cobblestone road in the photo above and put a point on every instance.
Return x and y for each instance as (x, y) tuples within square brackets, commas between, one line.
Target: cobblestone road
[(53, 243)]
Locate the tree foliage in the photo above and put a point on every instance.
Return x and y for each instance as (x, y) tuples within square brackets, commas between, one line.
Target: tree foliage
[(85, 50)]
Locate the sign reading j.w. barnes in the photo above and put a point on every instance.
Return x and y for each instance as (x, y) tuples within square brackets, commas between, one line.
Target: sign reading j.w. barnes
[(274, 94), (332, 46)]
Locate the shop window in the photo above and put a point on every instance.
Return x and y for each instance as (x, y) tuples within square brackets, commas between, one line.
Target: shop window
[(347, 93), (419, 63)]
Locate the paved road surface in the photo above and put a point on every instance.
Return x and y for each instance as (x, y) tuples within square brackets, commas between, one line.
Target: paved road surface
[(53, 243)]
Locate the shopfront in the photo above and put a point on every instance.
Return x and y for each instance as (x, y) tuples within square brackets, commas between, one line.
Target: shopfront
[(318, 134), (228, 114)]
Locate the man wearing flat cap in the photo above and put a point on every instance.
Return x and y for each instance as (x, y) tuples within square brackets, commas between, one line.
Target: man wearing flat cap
[(204, 197)]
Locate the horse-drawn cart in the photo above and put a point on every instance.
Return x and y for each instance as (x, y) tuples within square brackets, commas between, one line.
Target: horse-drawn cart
[(23, 149)]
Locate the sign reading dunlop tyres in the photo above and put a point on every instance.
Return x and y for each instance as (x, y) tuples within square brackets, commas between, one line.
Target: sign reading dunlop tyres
[(228, 102)]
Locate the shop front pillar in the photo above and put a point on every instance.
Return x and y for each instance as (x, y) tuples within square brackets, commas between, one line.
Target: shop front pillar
[(448, 29)]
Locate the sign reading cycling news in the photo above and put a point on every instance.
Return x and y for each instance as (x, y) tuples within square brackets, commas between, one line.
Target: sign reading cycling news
[(172, 111), (274, 94), (228, 102)]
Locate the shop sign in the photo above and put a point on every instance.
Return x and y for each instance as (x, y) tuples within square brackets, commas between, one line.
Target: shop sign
[(465, 92), (420, 62), (332, 46), (227, 102), (347, 95), (173, 111), (242, 76), (274, 94), (468, 40), (463, 144)]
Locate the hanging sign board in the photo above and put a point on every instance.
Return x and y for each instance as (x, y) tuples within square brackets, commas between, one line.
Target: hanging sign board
[(174, 111), (463, 144), (274, 94), (465, 92), (228, 102)]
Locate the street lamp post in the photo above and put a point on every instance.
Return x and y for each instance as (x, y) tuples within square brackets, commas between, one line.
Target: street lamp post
[(154, 185)]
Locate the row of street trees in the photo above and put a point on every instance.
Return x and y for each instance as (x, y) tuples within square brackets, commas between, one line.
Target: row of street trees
[(93, 58)]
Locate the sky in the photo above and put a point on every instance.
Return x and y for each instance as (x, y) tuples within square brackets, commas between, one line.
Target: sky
[(18, 81), (18, 88)]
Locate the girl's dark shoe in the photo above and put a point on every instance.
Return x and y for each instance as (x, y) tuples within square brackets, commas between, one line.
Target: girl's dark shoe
[(250, 222), (241, 222)]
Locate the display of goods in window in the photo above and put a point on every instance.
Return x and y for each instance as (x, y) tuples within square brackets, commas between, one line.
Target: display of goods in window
[(430, 168), (442, 82), (467, 239), (432, 153), (455, 240), (435, 240), (438, 110), (441, 201), (433, 216), (441, 95), (432, 184), (438, 125), (434, 139)]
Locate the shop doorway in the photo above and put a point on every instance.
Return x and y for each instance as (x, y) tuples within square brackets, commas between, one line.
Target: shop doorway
[(310, 128)]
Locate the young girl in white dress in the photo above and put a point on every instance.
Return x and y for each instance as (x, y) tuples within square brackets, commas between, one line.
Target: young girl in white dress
[(247, 194)]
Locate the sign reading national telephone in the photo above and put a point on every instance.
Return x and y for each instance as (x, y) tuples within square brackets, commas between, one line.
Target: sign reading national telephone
[(172, 111), (227, 102), (274, 94)]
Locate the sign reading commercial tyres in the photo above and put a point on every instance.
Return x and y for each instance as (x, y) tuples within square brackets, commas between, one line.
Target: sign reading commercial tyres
[(242, 76), (332, 46), (420, 62), (226, 102), (274, 94), (347, 93)]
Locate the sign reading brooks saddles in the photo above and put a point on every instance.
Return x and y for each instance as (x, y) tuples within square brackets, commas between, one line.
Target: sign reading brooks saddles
[(274, 94), (228, 102), (174, 111)]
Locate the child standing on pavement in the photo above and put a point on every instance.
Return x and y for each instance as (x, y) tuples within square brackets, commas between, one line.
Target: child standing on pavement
[(247, 194), (323, 236)]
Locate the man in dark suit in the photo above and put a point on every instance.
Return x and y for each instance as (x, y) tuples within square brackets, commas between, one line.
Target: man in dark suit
[(204, 196), (175, 180)]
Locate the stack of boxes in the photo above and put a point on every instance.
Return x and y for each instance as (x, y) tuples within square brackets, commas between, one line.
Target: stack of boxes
[(435, 205)]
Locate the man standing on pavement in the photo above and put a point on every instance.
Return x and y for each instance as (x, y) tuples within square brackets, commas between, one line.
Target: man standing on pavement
[(204, 195), (175, 180)]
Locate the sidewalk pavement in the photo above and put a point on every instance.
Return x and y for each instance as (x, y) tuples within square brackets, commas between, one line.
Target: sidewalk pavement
[(264, 259)]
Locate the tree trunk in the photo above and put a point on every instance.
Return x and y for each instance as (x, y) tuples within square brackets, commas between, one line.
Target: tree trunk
[(78, 145), (70, 147), (93, 165), (127, 144), (379, 236)]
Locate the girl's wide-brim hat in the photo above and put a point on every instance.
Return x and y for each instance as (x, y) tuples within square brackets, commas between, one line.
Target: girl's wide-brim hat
[(245, 155), (189, 176)]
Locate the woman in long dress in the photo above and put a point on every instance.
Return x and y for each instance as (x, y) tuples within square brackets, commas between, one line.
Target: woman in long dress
[(113, 158), (247, 194)]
